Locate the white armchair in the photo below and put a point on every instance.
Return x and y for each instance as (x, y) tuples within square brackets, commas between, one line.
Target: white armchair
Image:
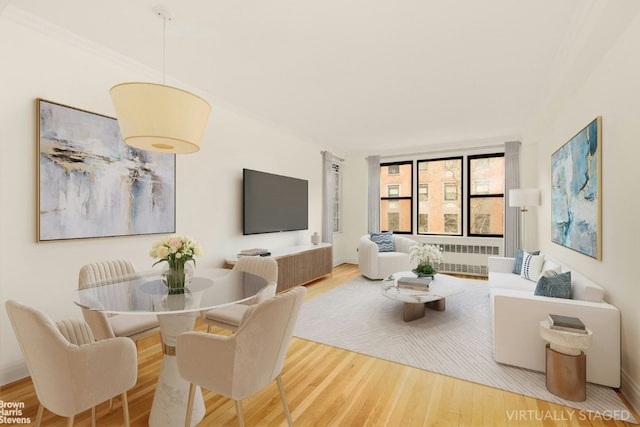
[(71, 372), (116, 325), (377, 265), (230, 316), (240, 365)]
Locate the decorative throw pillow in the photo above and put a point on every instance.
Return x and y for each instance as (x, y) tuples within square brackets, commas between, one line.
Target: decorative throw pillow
[(384, 241), (531, 266), (517, 264), (550, 271), (551, 265), (554, 285)]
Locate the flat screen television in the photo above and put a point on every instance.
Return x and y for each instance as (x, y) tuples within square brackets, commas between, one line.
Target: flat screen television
[(273, 203)]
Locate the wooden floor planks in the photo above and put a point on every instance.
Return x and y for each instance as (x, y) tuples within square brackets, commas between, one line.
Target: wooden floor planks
[(327, 386)]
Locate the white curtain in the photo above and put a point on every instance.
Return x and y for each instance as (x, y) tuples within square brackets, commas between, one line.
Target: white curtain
[(328, 189), (512, 181), (373, 195)]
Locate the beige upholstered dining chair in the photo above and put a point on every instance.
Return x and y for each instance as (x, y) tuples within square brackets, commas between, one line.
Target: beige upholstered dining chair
[(134, 326), (240, 365), (230, 316), (70, 370)]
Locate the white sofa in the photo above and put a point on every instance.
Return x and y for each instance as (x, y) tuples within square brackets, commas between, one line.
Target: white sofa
[(517, 313), (378, 265)]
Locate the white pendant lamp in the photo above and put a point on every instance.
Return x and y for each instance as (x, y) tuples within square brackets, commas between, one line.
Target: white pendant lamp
[(161, 118)]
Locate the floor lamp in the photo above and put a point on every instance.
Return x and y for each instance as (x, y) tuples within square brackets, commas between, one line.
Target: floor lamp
[(523, 198)]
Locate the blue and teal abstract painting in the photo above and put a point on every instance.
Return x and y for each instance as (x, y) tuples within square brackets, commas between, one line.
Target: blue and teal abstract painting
[(575, 192)]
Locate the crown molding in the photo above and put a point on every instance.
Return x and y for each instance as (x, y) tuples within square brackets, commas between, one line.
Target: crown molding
[(55, 32)]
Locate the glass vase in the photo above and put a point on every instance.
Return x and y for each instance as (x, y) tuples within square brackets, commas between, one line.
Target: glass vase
[(177, 276)]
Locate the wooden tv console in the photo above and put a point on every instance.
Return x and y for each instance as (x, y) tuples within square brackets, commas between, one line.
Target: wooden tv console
[(300, 264)]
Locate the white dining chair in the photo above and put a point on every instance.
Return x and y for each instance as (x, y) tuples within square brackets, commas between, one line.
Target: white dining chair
[(230, 316), (240, 365), (71, 371), (134, 326)]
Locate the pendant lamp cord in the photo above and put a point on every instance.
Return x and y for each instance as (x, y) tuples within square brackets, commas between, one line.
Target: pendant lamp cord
[(164, 50)]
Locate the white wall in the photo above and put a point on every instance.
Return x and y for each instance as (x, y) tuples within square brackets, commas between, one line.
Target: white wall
[(609, 89), (39, 63)]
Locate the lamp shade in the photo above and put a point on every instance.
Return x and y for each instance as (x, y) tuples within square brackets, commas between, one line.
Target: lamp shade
[(521, 197), (161, 118)]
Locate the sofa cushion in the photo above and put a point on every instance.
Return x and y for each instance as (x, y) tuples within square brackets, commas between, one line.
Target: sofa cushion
[(517, 264), (510, 281), (531, 266), (551, 284), (585, 290), (384, 241)]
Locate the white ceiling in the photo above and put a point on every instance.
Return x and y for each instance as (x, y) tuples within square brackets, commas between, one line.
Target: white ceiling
[(360, 76)]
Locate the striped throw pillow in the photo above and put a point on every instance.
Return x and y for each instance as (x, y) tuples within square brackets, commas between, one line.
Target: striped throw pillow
[(384, 241), (531, 266)]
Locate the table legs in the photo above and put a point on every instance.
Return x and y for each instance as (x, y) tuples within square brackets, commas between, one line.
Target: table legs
[(566, 375), (415, 311), (437, 305), (170, 398)]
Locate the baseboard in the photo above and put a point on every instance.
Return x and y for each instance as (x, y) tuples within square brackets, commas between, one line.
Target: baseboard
[(630, 390), (345, 261), (13, 372)]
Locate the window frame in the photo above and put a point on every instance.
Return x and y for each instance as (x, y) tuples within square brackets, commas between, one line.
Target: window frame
[(399, 198), (444, 181), (488, 195)]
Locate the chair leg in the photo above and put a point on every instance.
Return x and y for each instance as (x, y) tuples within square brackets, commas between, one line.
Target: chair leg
[(70, 421), (39, 416), (284, 401), (208, 328), (239, 413), (93, 416), (192, 392), (110, 404), (125, 409)]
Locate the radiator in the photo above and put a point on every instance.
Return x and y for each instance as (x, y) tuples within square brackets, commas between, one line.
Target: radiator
[(468, 259)]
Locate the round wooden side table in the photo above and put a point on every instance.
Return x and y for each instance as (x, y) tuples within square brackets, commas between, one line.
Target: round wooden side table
[(566, 363)]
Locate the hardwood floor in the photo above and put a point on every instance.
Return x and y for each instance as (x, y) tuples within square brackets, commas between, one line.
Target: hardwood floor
[(327, 386)]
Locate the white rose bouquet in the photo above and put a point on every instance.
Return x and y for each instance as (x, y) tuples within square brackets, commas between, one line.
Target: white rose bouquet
[(176, 250)]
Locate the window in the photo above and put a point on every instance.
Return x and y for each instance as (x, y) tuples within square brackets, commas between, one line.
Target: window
[(439, 196), (423, 223), (451, 223), (486, 195), (393, 220), (450, 191), (444, 203), (396, 197), (423, 192), (337, 198)]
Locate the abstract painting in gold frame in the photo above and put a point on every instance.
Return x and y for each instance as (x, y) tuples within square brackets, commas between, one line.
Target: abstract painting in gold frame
[(90, 184)]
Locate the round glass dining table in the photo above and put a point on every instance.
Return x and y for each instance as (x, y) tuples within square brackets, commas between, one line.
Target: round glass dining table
[(145, 293)]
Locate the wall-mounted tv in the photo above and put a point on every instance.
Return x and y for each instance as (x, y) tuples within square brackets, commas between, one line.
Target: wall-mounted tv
[(273, 203)]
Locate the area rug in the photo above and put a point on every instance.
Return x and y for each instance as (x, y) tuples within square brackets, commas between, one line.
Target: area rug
[(456, 342)]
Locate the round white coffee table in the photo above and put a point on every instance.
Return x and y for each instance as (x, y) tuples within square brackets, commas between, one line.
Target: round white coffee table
[(416, 301)]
